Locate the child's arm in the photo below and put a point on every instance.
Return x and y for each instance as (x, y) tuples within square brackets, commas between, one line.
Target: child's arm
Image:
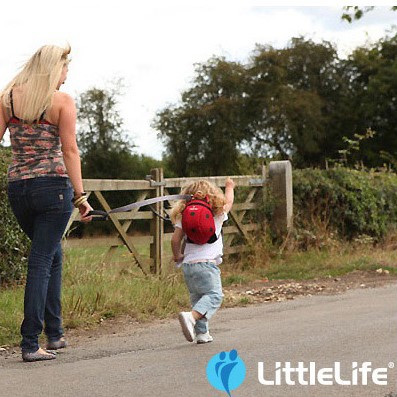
[(229, 194), (176, 240)]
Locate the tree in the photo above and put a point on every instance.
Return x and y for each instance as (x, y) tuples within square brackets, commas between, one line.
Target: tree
[(295, 99), (100, 123), (373, 83), (352, 13), (102, 137), (300, 103), (284, 103), (202, 134), (105, 147)]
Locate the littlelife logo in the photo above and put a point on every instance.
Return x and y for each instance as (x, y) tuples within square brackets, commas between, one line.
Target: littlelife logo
[(311, 375)]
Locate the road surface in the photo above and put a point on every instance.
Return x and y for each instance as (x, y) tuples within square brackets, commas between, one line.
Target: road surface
[(154, 360)]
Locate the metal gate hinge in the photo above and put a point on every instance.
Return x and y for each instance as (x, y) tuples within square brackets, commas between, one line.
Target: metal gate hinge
[(258, 181), (153, 183)]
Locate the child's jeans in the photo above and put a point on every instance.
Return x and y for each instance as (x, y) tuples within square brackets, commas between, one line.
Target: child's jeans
[(203, 279)]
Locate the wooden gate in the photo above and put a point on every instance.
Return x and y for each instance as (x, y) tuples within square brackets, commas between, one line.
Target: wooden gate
[(237, 231)]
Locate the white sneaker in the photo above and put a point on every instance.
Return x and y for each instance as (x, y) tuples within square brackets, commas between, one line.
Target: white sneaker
[(204, 338), (187, 322)]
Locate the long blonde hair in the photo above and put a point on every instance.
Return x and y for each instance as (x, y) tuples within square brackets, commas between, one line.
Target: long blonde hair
[(200, 189), (39, 77)]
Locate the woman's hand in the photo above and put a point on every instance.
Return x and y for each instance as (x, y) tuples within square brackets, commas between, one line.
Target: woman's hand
[(84, 209)]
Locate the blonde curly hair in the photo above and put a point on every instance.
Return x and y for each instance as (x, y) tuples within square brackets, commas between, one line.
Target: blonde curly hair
[(200, 189)]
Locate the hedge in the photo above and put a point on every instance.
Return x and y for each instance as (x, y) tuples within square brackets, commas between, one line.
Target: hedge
[(352, 203), (14, 244)]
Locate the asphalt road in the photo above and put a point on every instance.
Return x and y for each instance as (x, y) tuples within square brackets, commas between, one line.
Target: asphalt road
[(155, 360)]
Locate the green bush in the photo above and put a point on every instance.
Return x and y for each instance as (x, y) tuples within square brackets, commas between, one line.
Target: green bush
[(348, 202), (14, 244)]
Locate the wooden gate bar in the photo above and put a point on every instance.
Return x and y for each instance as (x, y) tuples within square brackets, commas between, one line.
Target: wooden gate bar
[(121, 232)]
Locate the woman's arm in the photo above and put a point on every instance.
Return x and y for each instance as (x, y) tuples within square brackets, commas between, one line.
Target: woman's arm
[(3, 124), (71, 155), (67, 133)]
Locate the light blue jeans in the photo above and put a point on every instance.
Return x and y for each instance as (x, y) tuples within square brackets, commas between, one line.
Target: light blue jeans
[(203, 280)]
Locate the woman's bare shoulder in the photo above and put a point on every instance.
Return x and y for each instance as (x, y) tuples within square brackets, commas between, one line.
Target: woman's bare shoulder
[(61, 103), (62, 98)]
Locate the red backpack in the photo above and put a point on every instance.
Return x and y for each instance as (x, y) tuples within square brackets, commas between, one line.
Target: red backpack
[(198, 222)]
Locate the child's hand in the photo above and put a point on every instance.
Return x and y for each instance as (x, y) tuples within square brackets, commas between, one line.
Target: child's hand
[(179, 258), (229, 183), (229, 195)]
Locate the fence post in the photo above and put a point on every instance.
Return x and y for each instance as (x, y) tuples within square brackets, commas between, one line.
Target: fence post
[(156, 224), (264, 181), (280, 175)]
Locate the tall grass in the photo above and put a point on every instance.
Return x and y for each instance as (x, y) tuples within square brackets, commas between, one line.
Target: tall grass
[(94, 290), (11, 314), (336, 258)]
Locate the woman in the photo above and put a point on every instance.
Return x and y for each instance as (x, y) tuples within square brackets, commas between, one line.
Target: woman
[(45, 167)]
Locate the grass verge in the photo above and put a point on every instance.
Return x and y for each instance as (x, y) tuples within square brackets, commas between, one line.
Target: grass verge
[(94, 290)]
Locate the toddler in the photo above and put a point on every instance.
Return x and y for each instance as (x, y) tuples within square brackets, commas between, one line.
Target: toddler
[(197, 245)]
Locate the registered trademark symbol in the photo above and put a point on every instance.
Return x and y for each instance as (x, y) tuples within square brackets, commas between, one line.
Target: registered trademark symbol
[(391, 365)]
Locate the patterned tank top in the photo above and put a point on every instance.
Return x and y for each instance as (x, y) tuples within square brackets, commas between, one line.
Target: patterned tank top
[(36, 149)]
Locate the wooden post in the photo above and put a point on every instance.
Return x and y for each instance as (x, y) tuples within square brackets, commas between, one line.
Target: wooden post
[(280, 175), (264, 181), (156, 224)]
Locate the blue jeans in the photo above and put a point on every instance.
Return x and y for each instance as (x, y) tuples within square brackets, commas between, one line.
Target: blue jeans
[(42, 207), (203, 280)]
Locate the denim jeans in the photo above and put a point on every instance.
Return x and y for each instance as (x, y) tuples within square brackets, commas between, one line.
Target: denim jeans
[(203, 280), (42, 207)]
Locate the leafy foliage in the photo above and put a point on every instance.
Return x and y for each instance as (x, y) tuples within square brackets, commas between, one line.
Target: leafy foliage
[(106, 150), (14, 244), (100, 125), (202, 134), (102, 139), (283, 104), (373, 97), (354, 13), (301, 103), (348, 202), (295, 98)]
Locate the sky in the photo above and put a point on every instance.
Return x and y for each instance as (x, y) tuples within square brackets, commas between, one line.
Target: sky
[(154, 45)]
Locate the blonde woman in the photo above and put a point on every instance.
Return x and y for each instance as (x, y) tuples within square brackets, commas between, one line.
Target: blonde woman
[(44, 181)]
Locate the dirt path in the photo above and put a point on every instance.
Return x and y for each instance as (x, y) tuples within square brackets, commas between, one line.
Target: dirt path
[(280, 290)]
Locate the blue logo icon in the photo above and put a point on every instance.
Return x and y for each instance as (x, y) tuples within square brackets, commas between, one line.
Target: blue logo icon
[(226, 371)]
